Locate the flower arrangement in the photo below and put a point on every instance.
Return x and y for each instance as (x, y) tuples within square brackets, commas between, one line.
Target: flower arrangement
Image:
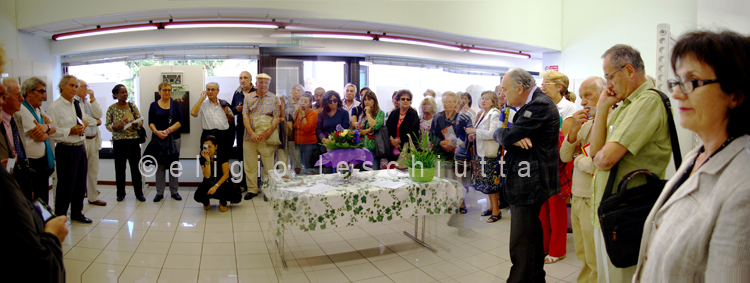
[(422, 152), (343, 138)]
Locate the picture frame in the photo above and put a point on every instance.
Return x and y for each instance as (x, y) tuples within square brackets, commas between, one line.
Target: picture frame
[(173, 78)]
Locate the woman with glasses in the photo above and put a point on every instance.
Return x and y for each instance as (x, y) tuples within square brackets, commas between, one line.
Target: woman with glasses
[(125, 141), (164, 123), (403, 121), (697, 230), (333, 114), (371, 120), (554, 213)]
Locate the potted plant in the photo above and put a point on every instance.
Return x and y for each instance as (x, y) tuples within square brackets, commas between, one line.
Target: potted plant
[(421, 160)]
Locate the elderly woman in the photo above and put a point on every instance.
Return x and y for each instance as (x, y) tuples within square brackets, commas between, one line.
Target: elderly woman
[(429, 108), (484, 179), (371, 120), (215, 168), (697, 230), (163, 123), (571, 151), (403, 122), (447, 128), (125, 141), (554, 213)]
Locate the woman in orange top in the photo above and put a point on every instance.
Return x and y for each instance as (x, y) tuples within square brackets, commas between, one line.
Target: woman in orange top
[(305, 123)]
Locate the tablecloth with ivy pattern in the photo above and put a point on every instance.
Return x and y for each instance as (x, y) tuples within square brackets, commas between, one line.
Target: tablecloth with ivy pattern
[(358, 201)]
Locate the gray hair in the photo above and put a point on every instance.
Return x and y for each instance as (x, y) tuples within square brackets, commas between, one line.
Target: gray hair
[(599, 82), (31, 84), (9, 82), (64, 80), (430, 91), (521, 76), (621, 55), (449, 94), (301, 88), (215, 83)]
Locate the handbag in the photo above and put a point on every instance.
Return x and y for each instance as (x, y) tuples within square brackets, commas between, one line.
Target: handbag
[(142, 131), (261, 124), (382, 142), (623, 214)]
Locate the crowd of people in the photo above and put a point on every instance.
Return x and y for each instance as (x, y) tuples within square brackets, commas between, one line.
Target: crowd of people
[(552, 154)]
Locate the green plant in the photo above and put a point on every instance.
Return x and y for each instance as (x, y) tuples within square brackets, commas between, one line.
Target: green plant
[(423, 153)]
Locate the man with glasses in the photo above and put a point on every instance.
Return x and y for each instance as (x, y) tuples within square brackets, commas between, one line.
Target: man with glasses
[(259, 103), (93, 114), (215, 117), (36, 127), (637, 136)]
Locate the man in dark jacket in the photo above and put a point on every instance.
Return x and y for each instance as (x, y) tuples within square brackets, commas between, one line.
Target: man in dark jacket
[(530, 170), (246, 87)]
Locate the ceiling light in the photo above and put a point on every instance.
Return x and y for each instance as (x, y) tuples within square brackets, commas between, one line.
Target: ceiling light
[(500, 53), (100, 31), (324, 35), (227, 24), (418, 42)]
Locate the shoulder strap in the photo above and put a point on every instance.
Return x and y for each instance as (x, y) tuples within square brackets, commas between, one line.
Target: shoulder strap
[(676, 154), (170, 113), (131, 109)]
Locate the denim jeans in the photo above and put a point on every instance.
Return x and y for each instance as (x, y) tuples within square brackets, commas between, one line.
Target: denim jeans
[(306, 151)]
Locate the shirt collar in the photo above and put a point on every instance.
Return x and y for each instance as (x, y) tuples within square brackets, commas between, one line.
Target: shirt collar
[(6, 117), (633, 96), (531, 95)]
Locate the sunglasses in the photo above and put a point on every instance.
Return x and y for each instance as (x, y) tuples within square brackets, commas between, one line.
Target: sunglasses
[(405, 99), (332, 101)]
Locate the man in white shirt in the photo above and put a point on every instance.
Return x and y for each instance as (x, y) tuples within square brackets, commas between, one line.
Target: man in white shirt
[(350, 104), (215, 116), (36, 127), (93, 114), (70, 151)]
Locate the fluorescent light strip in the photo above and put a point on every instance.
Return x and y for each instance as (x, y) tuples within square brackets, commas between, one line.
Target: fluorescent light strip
[(422, 43), (217, 25), (499, 53), (108, 31), (324, 35)]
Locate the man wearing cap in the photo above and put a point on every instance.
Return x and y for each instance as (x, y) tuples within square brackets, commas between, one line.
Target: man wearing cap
[(238, 99), (257, 104)]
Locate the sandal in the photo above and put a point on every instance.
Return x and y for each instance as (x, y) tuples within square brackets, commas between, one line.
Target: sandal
[(487, 212), (551, 259), (494, 218), (462, 209)]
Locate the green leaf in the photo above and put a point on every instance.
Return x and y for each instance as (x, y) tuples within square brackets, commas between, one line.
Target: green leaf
[(380, 218), (322, 227), (320, 218), (312, 226), (390, 217)]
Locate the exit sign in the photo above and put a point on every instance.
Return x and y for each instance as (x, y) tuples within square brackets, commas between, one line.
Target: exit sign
[(553, 67)]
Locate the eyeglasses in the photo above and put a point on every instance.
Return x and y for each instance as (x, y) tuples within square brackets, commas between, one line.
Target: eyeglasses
[(405, 99), (547, 84), (610, 75), (332, 101), (41, 91), (688, 85)]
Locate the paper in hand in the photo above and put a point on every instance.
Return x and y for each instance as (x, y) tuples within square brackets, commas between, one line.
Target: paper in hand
[(131, 123)]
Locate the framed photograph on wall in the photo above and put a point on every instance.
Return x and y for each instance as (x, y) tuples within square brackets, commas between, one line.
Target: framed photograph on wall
[(173, 78)]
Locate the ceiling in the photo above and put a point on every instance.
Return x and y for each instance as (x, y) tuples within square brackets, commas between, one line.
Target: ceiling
[(291, 19)]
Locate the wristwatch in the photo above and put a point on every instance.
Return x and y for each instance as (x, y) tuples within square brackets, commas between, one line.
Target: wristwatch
[(49, 128)]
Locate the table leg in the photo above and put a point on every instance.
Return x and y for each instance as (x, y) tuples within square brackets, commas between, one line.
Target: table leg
[(280, 248), (414, 238)]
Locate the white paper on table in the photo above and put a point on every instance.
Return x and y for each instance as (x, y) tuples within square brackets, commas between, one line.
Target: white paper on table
[(387, 184), (131, 123), (320, 188), (391, 173), (298, 189)]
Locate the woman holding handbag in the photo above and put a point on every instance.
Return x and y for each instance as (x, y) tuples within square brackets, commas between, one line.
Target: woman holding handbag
[(125, 142), (369, 123), (165, 114), (484, 174)]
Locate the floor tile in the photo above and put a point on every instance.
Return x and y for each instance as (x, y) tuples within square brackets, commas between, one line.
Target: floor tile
[(218, 275), (83, 254), (251, 248), (74, 269), (218, 237), (218, 249), (147, 260), (333, 275), (380, 279), (93, 242), (114, 257), (361, 271), (412, 276), (100, 272), (254, 261), (159, 236), (168, 275), (393, 265), (183, 262), (188, 237), (122, 245), (560, 269), (218, 262), (140, 274), (153, 247), (478, 276)]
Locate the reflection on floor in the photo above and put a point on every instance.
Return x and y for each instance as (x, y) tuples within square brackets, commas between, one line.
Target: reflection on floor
[(178, 241)]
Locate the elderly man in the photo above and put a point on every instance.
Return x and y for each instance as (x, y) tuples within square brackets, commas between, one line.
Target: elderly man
[(245, 88), (317, 97), (36, 127), (215, 117), (93, 143), (257, 104), (530, 170), (637, 136), (13, 146), (70, 151), (571, 150), (350, 104)]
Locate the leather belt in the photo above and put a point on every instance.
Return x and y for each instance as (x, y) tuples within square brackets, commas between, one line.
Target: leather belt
[(90, 137)]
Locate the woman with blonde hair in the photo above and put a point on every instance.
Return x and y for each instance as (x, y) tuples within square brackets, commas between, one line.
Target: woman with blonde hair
[(484, 177)]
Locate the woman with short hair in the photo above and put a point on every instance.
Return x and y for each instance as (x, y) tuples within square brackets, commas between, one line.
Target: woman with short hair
[(125, 143), (403, 122), (160, 117), (214, 162)]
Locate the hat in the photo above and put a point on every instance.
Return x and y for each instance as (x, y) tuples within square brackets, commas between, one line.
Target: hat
[(263, 76)]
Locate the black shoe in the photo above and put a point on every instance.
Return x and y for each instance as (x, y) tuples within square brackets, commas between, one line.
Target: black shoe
[(265, 198), (158, 198), (81, 219), (141, 198), (176, 197), (120, 198), (249, 196)]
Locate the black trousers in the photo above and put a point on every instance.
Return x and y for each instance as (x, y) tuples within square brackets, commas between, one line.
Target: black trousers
[(127, 150), (72, 169), (223, 193), (526, 244), (40, 185)]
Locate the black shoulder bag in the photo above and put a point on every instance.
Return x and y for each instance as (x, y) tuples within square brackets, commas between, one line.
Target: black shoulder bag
[(141, 131), (623, 214)]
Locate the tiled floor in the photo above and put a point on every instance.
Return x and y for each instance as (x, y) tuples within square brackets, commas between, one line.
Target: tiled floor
[(177, 241)]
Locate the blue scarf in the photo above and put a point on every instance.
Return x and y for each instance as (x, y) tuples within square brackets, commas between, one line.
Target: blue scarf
[(50, 157)]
